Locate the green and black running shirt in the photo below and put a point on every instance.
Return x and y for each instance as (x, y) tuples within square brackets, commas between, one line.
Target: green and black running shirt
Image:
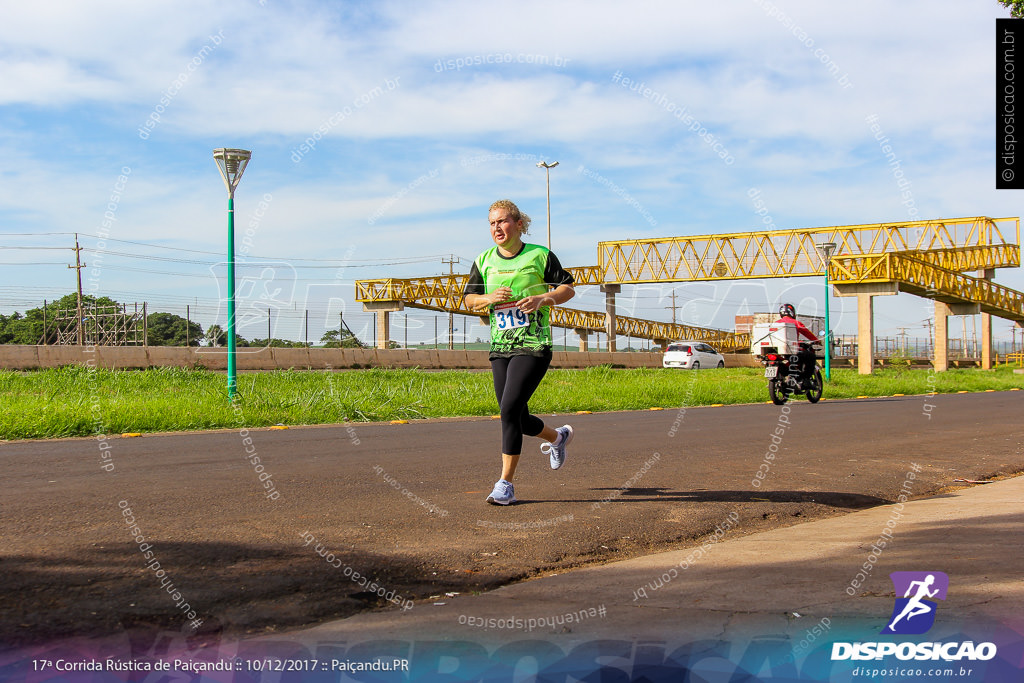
[(534, 270)]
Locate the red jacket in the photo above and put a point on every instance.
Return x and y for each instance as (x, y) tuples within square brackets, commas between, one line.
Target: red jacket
[(801, 329)]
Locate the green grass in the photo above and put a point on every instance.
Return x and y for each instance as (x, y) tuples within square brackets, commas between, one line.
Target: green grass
[(77, 401)]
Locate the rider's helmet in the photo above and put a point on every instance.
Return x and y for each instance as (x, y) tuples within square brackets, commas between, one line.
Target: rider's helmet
[(787, 311)]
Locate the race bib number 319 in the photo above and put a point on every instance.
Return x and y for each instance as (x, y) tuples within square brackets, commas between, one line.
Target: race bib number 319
[(507, 316)]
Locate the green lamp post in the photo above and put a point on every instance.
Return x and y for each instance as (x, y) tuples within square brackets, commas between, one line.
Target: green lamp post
[(827, 249), (232, 163)]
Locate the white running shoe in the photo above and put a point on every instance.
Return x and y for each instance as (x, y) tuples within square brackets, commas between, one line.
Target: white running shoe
[(556, 451), (503, 493)]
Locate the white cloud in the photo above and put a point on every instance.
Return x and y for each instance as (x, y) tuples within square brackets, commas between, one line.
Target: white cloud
[(82, 84)]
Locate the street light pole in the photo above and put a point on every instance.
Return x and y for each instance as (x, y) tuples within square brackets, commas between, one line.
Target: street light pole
[(827, 250), (547, 171), (232, 163)]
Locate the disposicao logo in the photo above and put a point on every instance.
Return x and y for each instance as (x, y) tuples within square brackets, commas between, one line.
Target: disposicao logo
[(913, 614)]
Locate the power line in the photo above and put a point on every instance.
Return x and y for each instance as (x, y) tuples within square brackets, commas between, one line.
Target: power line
[(34, 234), (328, 262), (37, 248), (266, 260)]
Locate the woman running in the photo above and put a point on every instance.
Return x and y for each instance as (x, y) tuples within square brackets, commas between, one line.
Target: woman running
[(518, 283)]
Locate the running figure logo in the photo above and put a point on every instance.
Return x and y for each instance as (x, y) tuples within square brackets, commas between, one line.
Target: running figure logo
[(914, 613)]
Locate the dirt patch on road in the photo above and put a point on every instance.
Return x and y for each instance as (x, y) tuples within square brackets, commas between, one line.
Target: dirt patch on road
[(245, 588)]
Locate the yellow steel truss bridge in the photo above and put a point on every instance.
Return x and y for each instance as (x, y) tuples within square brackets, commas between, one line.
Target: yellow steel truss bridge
[(916, 274), (962, 243), (926, 258), (444, 293)]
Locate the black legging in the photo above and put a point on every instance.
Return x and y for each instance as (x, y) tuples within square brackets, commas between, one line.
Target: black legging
[(515, 380)]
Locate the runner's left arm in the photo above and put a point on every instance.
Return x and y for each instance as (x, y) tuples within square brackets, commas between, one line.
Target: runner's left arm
[(555, 276)]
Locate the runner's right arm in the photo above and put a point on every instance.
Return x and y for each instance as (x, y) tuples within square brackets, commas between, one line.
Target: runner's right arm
[(474, 296)]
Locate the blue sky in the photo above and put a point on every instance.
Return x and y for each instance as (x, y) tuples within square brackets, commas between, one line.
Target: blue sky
[(416, 116)]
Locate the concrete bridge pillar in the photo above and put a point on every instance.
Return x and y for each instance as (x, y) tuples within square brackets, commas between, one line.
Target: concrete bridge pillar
[(383, 309), (609, 312), (865, 293), (986, 341), (941, 344), (942, 313), (865, 333), (583, 337), (986, 326)]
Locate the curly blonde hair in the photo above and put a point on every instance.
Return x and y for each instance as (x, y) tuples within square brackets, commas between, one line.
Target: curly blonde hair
[(513, 212)]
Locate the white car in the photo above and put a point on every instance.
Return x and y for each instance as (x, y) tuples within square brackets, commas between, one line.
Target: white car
[(691, 355)]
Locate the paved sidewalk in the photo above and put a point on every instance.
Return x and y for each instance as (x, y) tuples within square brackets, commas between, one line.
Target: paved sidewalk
[(781, 582)]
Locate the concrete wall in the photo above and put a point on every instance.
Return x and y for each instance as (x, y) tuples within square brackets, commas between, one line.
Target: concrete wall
[(14, 357)]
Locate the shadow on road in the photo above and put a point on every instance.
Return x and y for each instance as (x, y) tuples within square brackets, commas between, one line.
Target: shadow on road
[(852, 501), (252, 588)]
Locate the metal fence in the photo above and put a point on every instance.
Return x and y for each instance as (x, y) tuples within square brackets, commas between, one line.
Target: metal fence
[(921, 347)]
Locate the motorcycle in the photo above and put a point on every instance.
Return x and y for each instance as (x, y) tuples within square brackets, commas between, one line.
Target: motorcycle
[(785, 378)]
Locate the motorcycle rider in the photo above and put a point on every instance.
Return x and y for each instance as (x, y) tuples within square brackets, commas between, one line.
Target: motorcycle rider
[(805, 356)]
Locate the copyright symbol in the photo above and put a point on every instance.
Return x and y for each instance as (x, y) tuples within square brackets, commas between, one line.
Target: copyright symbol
[(1007, 174)]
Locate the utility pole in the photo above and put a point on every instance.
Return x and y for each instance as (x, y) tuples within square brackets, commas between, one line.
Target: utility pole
[(902, 333), (78, 267), (974, 337), (451, 261), (963, 337), (673, 307)]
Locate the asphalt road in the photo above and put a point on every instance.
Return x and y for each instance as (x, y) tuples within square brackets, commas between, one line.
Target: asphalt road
[(404, 505)]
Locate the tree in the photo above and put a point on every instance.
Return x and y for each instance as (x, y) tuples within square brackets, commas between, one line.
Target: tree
[(216, 336), (167, 329), (347, 340), (1016, 7), (11, 328), (278, 343), (29, 328)]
